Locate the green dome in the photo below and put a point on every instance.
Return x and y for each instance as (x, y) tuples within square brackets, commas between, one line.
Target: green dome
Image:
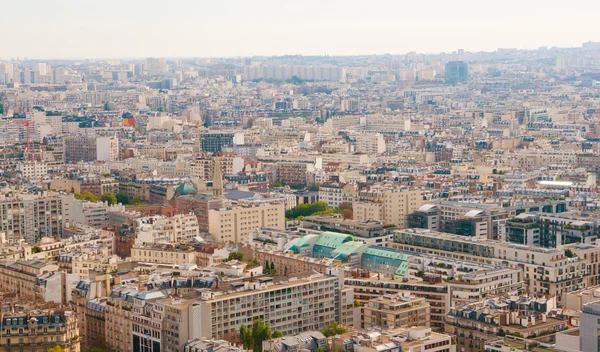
[(185, 188)]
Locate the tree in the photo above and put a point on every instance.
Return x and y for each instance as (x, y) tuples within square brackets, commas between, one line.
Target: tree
[(333, 329), (260, 333), (56, 349), (1, 108), (122, 197), (277, 184), (306, 210), (252, 338), (35, 249), (109, 198), (272, 268), (87, 195), (266, 267), (277, 333), (246, 337), (236, 256)]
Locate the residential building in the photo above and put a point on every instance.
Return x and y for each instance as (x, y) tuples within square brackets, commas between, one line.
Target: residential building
[(39, 330), (236, 224), (402, 310)]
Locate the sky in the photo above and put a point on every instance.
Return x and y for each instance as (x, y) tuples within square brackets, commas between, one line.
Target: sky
[(57, 29)]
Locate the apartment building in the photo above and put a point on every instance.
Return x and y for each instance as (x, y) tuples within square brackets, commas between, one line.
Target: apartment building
[(32, 216), (203, 167), (402, 310), (293, 173), (39, 330), (162, 229), (394, 209), (335, 194), (369, 143), (215, 141), (36, 279), (550, 230), (546, 271), (475, 219), (236, 224), (476, 323), (32, 169), (165, 254), (436, 294), (86, 148), (89, 301), (294, 304)]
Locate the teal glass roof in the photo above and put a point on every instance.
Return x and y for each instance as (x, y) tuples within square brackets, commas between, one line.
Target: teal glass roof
[(346, 249), (301, 242), (333, 239)]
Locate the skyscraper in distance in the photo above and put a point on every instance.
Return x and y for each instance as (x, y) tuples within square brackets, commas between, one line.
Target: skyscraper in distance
[(456, 72)]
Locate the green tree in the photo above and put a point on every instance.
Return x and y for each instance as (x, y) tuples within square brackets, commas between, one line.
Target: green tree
[(272, 268), (1, 108), (277, 184), (246, 337), (313, 188), (252, 338), (306, 210), (109, 198), (267, 267), (277, 333), (333, 329), (260, 333), (56, 349), (236, 256), (87, 195), (35, 249)]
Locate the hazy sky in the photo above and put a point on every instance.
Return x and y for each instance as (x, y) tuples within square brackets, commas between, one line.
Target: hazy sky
[(140, 28)]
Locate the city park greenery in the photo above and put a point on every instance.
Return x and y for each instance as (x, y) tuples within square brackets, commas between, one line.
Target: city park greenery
[(316, 209)]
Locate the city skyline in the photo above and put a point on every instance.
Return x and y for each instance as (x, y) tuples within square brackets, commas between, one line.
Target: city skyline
[(268, 28)]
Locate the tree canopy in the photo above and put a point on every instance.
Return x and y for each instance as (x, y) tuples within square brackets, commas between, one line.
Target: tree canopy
[(109, 198), (333, 329), (252, 338)]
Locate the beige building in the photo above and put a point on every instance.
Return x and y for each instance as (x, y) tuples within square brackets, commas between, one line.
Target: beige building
[(394, 311), (32, 216), (306, 302), (394, 209), (164, 254), (237, 223), (545, 271), (39, 331), (21, 277)]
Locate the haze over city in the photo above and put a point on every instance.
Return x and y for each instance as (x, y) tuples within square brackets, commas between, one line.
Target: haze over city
[(188, 28), (299, 176)]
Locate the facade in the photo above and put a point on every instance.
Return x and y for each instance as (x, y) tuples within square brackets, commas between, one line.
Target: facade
[(404, 310), (335, 194), (85, 148), (546, 271), (39, 331), (180, 228), (236, 224), (394, 209), (32, 216), (456, 72), (309, 302), (589, 330), (477, 323), (215, 141), (164, 254), (435, 293)]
